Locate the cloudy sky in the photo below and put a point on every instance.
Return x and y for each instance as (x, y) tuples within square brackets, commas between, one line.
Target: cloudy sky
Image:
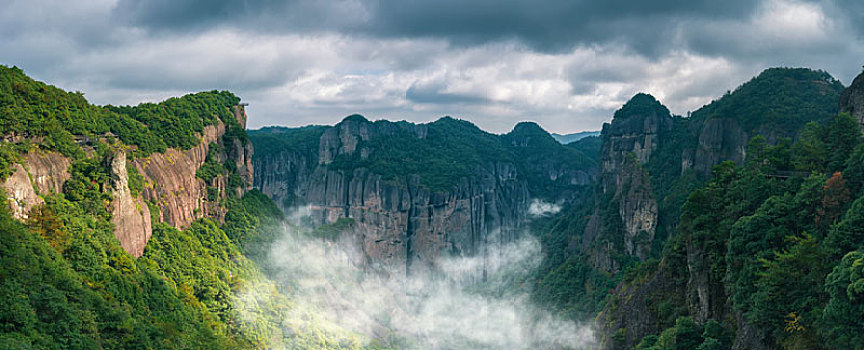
[(567, 64)]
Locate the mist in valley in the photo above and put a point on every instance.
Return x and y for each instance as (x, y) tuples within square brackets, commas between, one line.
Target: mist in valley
[(336, 292)]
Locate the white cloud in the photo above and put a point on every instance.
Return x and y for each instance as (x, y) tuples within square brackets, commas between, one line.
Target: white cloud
[(467, 302), (540, 208), (303, 77)]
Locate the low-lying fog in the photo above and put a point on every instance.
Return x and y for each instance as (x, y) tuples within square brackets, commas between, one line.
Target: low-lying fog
[(333, 290)]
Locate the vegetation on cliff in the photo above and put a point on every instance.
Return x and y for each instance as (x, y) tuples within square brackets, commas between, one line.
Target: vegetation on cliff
[(57, 120), (766, 232), (783, 249), (440, 154), (67, 282)]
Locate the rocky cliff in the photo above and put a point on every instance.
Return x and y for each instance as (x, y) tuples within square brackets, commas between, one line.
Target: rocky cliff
[(170, 182), (628, 144), (130, 214), (40, 172), (852, 99), (414, 194), (650, 163)]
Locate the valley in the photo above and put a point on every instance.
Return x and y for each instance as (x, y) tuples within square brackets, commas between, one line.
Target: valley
[(171, 225)]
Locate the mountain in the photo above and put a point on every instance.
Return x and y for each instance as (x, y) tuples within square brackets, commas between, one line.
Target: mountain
[(570, 138), (133, 227), (163, 225), (415, 192), (685, 206)]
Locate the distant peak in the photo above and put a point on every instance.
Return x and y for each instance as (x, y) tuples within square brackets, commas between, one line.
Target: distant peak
[(524, 128), (641, 104), (448, 120), (803, 74), (355, 118)]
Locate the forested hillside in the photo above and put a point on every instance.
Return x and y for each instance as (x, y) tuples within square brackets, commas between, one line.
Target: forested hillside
[(736, 227), (66, 277), (751, 200), (416, 193), (772, 247)]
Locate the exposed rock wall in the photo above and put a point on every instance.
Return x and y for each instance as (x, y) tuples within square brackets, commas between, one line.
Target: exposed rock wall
[(241, 153), (21, 195), (130, 215), (49, 170), (171, 183), (629, 142), (41, 171), (852, 99), (399, 222), (170, 178), (720, 139)]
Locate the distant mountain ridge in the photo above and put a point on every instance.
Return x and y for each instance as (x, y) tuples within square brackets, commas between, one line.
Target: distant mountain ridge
[(416, 191), (576, 136)]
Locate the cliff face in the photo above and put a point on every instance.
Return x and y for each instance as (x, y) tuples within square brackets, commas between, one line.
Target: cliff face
[(130, 215), (720, 139), (170, 182), (650, 164), (170, 178), (628, 144), (40, 171), (401, 221), (852, 99)]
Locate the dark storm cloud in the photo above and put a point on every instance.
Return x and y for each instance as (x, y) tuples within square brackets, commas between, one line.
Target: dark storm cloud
[(549, 25), (169, 16), (434, 93), (647, 27), (565, 64)]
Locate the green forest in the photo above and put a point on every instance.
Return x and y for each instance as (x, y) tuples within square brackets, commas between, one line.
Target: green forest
[(778, 237), (67, 282)]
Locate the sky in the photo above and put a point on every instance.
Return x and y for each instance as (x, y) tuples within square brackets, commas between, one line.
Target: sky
[(566, 64)]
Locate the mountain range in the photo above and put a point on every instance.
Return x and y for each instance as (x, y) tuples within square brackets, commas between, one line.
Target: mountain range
[(148, 226)]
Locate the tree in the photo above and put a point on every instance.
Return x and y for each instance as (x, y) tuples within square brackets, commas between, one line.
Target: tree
[(843, 134), (843, 317)]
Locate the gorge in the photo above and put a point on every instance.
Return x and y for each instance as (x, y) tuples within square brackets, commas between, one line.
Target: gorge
[(170, 225)]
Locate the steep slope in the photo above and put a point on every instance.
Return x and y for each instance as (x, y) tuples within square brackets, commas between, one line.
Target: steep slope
[(775, 106), (663, 156), (129, 227), (47, 131), (651, 162), (852, 100), (417, 191)]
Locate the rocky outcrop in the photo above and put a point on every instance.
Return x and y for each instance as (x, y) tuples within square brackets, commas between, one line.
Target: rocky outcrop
[(632, 314), (721, 139), (408, 225), (400, 222), (852, 99), (628, 144), (130, 215), (170, 178), (241, 152), (49, 170), (20, 193), (39, 173), (638, 210)]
